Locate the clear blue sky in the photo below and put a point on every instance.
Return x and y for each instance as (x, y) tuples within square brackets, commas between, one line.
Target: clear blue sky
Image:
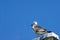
[(16, 17)]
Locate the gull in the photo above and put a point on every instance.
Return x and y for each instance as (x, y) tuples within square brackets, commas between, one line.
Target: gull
[(38, 29)]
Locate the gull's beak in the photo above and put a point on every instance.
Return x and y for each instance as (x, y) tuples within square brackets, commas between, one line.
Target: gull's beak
[(31, 24)]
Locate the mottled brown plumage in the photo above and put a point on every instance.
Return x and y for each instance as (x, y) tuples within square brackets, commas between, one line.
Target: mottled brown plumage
[(39, 30)]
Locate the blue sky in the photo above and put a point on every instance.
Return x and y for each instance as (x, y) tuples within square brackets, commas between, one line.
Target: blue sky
[(16, 17)]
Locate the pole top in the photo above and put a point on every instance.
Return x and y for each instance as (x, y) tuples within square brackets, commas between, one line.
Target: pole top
[(50, 34)]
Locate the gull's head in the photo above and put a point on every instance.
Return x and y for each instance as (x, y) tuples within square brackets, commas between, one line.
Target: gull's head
[(34, 23)]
